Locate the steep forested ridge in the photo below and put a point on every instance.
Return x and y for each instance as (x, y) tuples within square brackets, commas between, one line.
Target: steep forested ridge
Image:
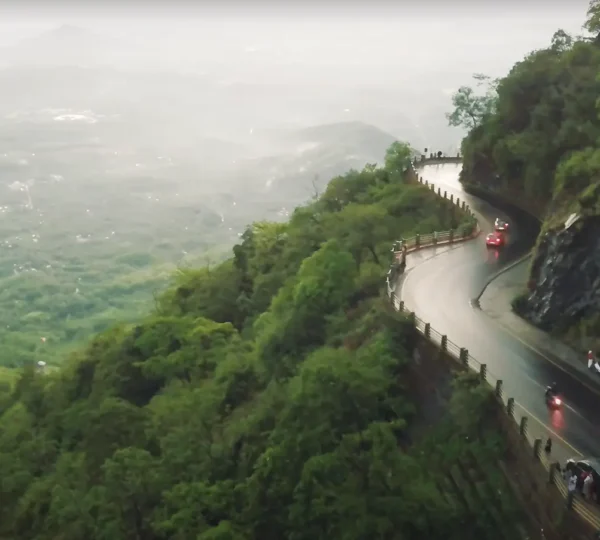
[(265, 398), (535, 139), (540, 138)]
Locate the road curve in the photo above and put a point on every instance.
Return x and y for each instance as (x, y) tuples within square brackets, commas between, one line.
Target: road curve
[(440, 293)]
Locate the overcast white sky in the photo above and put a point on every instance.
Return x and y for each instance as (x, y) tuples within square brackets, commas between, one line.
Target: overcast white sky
[(481, 36), (412, 57)]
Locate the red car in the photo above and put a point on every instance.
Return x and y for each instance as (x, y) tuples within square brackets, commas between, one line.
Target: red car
[(500, 225), (494, 239)]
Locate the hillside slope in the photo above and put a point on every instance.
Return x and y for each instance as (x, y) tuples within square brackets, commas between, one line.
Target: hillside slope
[(267, 398), (538, 143)]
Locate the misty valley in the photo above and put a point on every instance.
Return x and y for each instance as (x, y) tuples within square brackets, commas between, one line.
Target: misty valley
[(102, 203)]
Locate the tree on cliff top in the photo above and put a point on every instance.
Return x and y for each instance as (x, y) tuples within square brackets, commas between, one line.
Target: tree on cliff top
[(471, 107), (592, 23)]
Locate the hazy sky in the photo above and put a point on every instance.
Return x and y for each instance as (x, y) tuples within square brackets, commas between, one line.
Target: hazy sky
[(473, 36), (387, 63)]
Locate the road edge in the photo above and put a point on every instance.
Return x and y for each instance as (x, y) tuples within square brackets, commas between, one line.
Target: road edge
[(475, 301), (590, 383)]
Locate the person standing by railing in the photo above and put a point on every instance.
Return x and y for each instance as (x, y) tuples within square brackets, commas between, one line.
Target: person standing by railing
[(572, 487), (587, 486)]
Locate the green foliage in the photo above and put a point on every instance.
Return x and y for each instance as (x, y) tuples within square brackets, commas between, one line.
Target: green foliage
[(471, 108), (397, 159), (541, 140), (592, 23), (263, 398)]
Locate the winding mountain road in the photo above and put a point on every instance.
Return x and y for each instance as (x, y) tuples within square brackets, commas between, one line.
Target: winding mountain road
[(440, 290)]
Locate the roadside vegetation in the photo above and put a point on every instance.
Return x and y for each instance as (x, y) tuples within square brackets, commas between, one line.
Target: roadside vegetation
[(267, 397)]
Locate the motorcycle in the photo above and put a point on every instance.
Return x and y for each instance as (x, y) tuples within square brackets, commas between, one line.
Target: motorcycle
[(553, 402)]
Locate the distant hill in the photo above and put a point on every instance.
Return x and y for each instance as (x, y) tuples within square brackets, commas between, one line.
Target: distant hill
[(307, 158), (358, 136), (66, 45), (352, 135)]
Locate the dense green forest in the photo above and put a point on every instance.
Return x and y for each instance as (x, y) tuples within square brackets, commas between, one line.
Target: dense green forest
[(268, 397)]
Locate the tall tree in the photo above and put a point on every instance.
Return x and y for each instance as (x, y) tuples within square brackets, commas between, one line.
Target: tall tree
[(470, 106), (397, 158), (592, 22)]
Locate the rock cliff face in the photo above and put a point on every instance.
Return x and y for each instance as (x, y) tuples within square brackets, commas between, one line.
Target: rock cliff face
[(565, 276)]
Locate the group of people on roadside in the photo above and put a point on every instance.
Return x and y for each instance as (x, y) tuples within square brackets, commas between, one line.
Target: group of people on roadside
[(583, 483)]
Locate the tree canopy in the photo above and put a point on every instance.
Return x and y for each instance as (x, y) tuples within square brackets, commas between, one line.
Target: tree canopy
[(592, 22), (472, 107), (540, 138), (267, 398)]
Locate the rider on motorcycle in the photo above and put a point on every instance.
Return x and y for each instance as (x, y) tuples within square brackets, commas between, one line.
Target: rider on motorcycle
[(551, 391)]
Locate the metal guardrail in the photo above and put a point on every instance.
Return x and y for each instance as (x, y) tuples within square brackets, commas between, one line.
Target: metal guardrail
[(462, 356), (466, 231)]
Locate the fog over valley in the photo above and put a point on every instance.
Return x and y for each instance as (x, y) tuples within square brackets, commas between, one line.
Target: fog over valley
[(130, 146)]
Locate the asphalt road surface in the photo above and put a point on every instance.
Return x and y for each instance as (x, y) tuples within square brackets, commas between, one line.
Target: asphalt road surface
[(440, 291)]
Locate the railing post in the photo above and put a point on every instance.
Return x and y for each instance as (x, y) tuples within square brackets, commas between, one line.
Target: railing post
[(434, 238), (432, 187), (523, 426), (417, 240), (401, 306), (445, 194), (499, 388), (457, 202), (412, 317), (537, 446), (483, 371), (552, 472), (427, 330), (451, 198), (510, 407), (464, 205), (444, 343), (427, 182), (464, 356), (439, 192), (420, 179), (451, 238)]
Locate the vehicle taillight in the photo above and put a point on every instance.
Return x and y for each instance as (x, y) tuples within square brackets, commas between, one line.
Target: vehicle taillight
[(557, 401)]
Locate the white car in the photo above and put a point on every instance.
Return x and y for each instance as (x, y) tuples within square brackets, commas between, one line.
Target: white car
[(500, 225)]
